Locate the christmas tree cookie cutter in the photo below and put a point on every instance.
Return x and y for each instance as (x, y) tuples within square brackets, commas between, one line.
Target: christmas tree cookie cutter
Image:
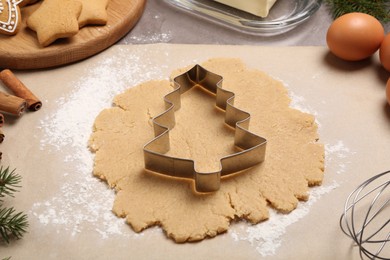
[(251, 146)]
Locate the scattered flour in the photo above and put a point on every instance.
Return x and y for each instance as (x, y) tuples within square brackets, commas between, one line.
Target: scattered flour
[(338, 151), (85, 199), (299, 102), (82, 197), (149, 37), (152, 32), (267, 236)]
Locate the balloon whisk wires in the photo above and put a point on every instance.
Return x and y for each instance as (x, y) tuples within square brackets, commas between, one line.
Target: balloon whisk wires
[(366, 217)]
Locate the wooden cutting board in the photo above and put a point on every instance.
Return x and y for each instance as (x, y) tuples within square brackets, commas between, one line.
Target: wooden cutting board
[(23, 51)]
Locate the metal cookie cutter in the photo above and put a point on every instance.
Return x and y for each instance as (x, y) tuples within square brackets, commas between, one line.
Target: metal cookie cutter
[(251, 146)]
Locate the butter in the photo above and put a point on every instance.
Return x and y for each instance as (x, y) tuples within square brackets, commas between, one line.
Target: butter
[(256, 7)]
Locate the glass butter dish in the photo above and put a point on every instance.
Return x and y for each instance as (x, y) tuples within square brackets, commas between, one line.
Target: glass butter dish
[(283, 16)]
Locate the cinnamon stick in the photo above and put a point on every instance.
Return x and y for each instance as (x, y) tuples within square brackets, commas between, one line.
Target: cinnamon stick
[(19, 89), (1, 136), (1, 120), (12, 104)]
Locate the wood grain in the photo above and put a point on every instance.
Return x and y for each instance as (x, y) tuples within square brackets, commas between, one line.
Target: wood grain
[(23, 51)]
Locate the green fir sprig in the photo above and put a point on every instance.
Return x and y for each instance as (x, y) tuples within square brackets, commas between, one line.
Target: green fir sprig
[(9, 181), (12, 224), (377, 8)]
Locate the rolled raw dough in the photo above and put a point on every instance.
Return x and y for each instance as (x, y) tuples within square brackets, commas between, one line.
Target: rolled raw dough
[(294, 158)]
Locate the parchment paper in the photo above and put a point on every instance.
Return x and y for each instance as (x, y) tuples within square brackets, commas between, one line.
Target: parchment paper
[(348, 100)]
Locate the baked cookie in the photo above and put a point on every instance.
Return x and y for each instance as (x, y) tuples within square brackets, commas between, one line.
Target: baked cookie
[(10, 18), (55, 19), (27, 2), (93, 12)]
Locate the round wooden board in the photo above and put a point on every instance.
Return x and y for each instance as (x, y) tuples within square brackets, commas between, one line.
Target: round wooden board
[(23, 51)]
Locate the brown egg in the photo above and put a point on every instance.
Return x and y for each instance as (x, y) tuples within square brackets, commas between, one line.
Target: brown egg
[(355, 36), (388, 91), (384, 53)]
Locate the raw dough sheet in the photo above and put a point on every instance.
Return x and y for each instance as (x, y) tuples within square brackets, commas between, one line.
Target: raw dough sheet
[(294, 158), (69, 209)]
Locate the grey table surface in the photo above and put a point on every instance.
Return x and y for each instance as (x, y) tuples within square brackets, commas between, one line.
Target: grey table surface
[(163, 23)]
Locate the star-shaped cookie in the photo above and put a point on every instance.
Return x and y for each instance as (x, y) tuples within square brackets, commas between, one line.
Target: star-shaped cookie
[(93, 12), (55, 19)]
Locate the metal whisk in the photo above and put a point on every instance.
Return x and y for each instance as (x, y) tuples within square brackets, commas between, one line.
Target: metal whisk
[(366, 217)]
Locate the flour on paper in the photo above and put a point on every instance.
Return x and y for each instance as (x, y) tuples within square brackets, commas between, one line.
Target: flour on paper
[(82, 200), (294, 158)]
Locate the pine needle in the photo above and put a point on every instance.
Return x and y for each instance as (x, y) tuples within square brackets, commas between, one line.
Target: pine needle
[(380, 9), (12, 224), (9, 181)]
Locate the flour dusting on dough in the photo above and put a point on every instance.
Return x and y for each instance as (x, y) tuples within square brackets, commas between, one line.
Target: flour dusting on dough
[(267, 237), (83, 199), (94, 200), (294, 160)]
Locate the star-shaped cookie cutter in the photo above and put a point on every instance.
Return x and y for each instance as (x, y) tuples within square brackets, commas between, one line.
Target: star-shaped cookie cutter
[(252, 147)]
